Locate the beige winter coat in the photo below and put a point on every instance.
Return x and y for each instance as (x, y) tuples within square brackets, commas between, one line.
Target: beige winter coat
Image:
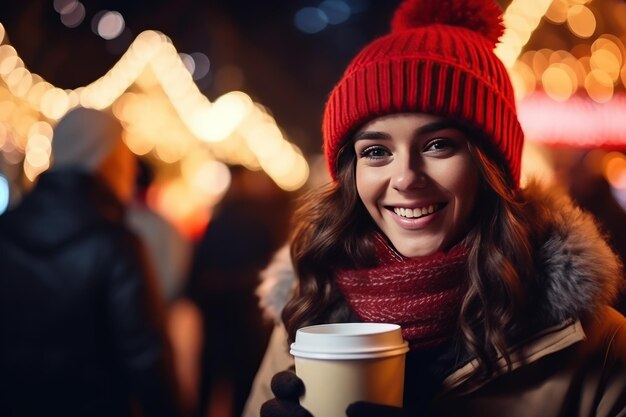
[(576, 368)]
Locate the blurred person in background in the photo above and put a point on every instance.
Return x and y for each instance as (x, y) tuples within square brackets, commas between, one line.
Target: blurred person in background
[(81, 318), (170, 252), (249, 224)]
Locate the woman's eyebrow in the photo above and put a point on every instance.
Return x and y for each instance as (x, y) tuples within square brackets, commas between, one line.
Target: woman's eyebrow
[(439, 125), (371, 134), (422, 130)]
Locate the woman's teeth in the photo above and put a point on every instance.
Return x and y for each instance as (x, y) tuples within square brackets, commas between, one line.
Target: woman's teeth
[(416, 212)]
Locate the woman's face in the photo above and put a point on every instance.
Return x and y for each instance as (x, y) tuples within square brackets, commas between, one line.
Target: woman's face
[(417, 179)]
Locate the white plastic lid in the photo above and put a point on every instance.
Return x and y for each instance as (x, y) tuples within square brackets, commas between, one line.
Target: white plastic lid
[(341, 341)]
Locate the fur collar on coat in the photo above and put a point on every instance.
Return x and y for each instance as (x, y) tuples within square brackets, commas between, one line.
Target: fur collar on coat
[(579, 272)]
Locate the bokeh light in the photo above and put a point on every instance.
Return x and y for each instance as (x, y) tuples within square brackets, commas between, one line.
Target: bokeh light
[(581, 21), (614, 164), (110, 24), (188, 62), (310, 20), (202, 65), (599, 86), (64, 6), (73, 14), (559, 82), (4, 194), (336, 11)]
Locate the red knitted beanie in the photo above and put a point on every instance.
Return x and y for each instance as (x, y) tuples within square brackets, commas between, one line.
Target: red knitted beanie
[(438, 59)]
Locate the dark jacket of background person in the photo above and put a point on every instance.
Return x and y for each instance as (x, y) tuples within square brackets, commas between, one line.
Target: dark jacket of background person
[(249, 225), (80, 330)]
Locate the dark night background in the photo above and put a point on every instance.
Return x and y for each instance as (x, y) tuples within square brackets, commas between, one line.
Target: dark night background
[(286, 70)]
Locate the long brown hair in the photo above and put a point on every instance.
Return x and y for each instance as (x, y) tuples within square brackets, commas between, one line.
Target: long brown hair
[(332, 229)]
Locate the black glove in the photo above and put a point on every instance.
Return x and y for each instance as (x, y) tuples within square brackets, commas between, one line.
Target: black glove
[(366, 409), (288, 389)]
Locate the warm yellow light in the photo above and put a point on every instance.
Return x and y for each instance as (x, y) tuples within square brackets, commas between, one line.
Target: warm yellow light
[(54, 103), (577, 67), (137, 143), (615, 169), (3, 135), (41, 128), (584, 63), (39, 143), (288, 169), (610, 43), (536, 165), (6, 109), (523, 79), (506, 54), (145, 45), (170, 150), (517, 25), (32, 172), (527, 58), (599, 86), (73, 98), (541, 61), (557, 12), (9, 63), (211, 178), (168, 127), (36, 91), (556, 56), (280, 163), (2, 33), (19, 81), (37, 158), (605, 60), (22, 126), (559, 82), (581, 21), (296, 178), (520, 20), (223, 117), (264, 139)]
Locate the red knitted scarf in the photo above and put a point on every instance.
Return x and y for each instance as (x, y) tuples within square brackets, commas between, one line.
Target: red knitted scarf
[(423, 295)]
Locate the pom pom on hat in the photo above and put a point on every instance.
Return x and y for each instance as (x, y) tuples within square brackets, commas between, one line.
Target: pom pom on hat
[(480, 16)]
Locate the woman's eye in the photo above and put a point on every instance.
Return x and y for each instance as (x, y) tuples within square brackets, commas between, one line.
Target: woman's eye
[(440, 145), (374, 152)]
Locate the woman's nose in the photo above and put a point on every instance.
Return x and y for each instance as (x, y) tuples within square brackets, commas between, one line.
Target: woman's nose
[(408, 175)]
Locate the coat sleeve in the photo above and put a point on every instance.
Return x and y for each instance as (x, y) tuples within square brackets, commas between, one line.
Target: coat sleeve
[(135, 316), (276, 359)]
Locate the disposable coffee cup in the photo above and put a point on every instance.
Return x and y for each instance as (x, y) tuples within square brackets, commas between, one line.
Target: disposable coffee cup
[(346, 362)]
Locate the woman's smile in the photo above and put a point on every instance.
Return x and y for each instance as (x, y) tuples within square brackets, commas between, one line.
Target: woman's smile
[(416, 218), (419, 212)]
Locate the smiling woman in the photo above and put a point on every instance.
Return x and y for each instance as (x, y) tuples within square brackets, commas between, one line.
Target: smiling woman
[(501, 292)]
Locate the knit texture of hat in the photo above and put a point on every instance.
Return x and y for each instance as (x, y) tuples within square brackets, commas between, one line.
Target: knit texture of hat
[(438, 59), (84, 137)]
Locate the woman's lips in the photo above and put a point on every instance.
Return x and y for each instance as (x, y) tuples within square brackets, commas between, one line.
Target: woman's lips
[(415, 217)]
